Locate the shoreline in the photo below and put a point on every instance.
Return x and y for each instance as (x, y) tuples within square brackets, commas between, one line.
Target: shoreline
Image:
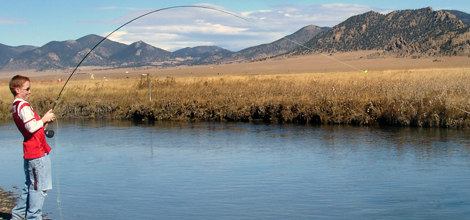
[(303, 90), (7, 202)]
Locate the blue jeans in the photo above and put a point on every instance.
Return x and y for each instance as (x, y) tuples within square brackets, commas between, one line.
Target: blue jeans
[(38, 181)]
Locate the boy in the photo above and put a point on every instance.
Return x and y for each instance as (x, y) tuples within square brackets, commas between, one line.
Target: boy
[(37, 165)]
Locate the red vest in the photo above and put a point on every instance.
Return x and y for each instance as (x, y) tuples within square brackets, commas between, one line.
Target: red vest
[(34, 144)]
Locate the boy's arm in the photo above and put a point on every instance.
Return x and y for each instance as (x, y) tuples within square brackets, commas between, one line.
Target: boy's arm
[(30, 123)]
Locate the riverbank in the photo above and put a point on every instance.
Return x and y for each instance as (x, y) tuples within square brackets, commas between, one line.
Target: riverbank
[(7, 202), (419, 97)]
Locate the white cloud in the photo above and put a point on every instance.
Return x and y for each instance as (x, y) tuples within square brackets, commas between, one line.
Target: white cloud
[(7, 20), (182, 27)]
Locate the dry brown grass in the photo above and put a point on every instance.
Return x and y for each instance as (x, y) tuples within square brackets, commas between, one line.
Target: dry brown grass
[(419, 97), (7, 202)]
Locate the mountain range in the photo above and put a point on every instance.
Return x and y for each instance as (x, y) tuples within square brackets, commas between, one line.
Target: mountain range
[(415, 33)]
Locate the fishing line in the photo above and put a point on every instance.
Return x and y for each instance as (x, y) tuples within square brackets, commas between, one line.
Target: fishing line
[(175, 7), (50, 133), (56, 150), (308, 48), (130, 21)]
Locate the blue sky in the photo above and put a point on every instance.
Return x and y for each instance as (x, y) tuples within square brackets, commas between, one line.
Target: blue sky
[(32, 22)]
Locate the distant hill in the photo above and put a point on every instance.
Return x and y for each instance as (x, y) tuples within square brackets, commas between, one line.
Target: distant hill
[(8, 52), (201, 51), (21, 49), (202, 54), (464, 17), (277, 47), (417, 33), (67, 54), (101, 54), (140, 54), (64, 54)]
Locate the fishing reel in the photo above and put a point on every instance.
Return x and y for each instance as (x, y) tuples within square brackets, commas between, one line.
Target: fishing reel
[(49, 133)]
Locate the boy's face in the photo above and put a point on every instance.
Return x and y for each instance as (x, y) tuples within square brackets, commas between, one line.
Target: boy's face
[(24, 91)]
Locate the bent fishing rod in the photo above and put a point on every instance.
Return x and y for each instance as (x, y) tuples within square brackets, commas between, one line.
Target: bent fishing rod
[(130, 21), (50, 132)]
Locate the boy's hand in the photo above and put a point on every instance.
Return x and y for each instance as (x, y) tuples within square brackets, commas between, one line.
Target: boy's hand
[(48, 117)]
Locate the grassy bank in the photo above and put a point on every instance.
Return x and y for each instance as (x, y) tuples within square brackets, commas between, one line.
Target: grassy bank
[(423, 98)]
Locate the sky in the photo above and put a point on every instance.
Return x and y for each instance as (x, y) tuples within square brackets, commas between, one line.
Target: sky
[(234, 25)]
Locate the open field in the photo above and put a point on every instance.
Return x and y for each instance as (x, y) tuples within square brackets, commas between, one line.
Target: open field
[(315, 89), (317, 63)]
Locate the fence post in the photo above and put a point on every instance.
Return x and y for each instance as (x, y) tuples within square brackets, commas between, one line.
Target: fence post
[(150, 89)]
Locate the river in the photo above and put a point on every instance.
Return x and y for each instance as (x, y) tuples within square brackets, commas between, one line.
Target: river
[(172, 170)]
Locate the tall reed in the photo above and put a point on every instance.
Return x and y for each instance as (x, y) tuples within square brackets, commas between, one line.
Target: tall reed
[(422, 98)]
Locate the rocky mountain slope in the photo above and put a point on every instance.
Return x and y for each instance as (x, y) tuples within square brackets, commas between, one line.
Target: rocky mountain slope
[(416, 33), (464, 17)]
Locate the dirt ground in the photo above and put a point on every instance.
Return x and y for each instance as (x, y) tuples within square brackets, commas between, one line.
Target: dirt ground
[(337, 62)]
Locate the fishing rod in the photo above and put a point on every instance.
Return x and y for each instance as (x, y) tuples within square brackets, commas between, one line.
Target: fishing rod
[(50, 132)]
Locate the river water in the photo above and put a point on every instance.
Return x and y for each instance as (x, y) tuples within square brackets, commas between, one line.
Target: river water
[(124, 170)]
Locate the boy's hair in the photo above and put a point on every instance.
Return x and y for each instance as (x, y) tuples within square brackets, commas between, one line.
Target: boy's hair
[(16, 82)]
